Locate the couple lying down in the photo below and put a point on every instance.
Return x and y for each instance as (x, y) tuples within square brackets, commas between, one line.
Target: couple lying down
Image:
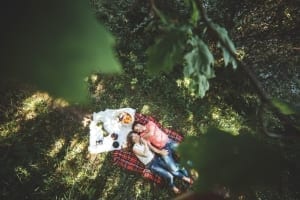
[(155, 150)]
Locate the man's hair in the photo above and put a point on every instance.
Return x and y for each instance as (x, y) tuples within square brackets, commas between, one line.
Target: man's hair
[(135, 123)]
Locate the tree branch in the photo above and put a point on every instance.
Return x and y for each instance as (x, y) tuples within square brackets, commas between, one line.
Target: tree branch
[(265, 97)]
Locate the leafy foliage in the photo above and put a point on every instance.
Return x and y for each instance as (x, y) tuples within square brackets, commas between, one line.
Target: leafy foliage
[(55, 47), (224, 43), (166, 52), (237, 162), (286, 108), (198, 59), (198, 67), (292, 110)]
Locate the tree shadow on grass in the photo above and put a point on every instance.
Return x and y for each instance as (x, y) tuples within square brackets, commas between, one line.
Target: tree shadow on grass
[(43, 147), (44, 153), (34, 155)]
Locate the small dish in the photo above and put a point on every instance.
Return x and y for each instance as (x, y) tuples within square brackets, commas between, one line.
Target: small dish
[(125, 118)]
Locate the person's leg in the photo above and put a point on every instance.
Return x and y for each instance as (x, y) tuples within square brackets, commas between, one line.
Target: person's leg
[(157, 168), (178, 173), (171, 146), (169, 161)]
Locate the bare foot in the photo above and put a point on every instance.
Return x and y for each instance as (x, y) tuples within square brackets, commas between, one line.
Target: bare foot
[(188, 180), (176, 190)]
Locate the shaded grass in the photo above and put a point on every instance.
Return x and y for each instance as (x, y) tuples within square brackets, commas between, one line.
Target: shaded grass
[(44, 140)]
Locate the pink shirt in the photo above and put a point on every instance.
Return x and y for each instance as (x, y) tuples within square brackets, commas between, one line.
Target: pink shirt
[(159, 138)]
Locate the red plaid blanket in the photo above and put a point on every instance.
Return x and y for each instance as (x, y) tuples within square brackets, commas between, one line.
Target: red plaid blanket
[(127, 160)]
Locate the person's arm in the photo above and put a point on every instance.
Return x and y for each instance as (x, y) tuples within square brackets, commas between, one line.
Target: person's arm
[(162, 152)]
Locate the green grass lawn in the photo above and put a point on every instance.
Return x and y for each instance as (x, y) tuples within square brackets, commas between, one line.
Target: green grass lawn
[(44, 140)]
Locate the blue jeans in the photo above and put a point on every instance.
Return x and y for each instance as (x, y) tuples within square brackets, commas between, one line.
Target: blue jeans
[(157, 166), (169, 162)]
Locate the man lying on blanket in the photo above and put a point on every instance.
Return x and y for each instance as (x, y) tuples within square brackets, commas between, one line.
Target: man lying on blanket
[(162, 140), (159, 143)]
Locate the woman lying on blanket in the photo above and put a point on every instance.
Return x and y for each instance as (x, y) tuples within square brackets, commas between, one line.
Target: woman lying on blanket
[(159, 142), (153, 162)]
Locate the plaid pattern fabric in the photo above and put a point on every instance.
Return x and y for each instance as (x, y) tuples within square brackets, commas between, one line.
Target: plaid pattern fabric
[(127, 160)]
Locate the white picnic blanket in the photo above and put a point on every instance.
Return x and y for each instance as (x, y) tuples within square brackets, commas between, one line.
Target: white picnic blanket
[(104, 125)]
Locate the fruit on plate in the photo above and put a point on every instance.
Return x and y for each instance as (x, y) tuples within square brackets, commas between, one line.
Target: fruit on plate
[(125, 118)]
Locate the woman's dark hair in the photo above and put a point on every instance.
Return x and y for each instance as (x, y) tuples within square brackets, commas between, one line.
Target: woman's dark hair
[(130, 142)]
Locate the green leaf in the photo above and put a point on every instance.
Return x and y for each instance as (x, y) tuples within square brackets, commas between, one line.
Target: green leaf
[(162, 17), (166, 52), (238, 162), (55, 45), (234, 63), (285, 107), (223, 34), (226, 54), (198, 66), (195, 16), (203, 85), (225, 42)]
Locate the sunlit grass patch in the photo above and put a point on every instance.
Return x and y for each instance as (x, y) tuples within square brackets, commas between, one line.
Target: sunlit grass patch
[(145, 109), (59, 103), (9, 128), (125, 103), (22, 173), (78, 146), (190, 125), (36, 104), (56, 147), (226, 119)]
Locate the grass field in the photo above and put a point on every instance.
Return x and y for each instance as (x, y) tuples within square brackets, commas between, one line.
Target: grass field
[(44, 139)]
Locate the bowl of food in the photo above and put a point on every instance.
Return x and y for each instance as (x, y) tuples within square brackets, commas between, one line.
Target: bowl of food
[(115, 144), (125, 118)]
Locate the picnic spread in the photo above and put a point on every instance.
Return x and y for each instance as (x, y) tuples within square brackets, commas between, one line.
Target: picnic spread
[(107, 124), (109, 129)]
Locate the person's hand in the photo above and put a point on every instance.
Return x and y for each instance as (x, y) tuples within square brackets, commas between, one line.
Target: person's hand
[(164, 152)]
